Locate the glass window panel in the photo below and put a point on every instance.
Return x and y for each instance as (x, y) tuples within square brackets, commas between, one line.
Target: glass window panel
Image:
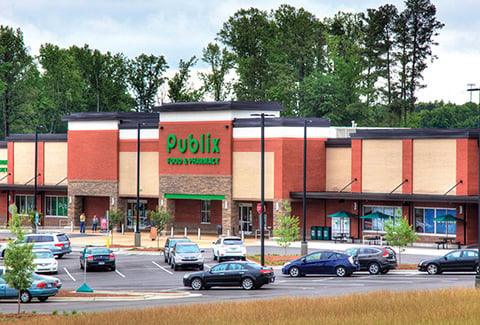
[(419, 224), (429, 222)]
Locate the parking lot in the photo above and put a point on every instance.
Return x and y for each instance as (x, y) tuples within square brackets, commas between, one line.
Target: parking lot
[(147, 271)]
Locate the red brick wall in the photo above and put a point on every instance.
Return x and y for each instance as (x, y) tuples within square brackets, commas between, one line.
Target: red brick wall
[(467, 166), (407, 166), (188, 211), (357, 165), (93, 155)]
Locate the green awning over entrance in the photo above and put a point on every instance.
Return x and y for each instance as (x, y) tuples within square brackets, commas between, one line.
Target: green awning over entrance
[(194, 196)]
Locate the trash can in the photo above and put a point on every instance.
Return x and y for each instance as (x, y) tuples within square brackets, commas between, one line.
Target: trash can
[(327, 233), (319, 233), (219, 230), (313, 233)]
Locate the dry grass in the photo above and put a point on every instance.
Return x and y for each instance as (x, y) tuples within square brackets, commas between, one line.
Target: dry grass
[(445, 306)]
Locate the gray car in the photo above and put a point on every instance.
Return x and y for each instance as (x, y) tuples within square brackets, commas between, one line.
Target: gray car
[(58, 243), (186, 254), (169, 244)]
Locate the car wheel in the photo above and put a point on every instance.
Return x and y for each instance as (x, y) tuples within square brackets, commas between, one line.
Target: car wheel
[(42, 299), (113, 268), (214, 256), (374, 268), (165, 258), (196, 284), (25, 297), (247, 283), (385, 271), (175, 267), (432, 269), (81, 265), (244, 258), (60, 255), (294, 272), (341, 271)]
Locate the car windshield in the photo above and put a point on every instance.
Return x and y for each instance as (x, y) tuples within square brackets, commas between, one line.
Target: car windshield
[(174, 241), (233, 242), (98, 250), (45, 254), (351, 251), (187, 249), (62, 237)]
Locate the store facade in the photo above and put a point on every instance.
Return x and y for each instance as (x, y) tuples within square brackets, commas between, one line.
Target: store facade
[(202, 162)]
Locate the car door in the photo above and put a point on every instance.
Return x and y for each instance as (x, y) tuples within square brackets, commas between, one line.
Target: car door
[(328, 262), (451, 261), (235, 273), (311, 264), (363, 257), (469, 260), (216, 275)]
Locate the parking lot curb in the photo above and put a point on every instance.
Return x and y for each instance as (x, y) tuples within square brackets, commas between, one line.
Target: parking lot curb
[(126, 296)]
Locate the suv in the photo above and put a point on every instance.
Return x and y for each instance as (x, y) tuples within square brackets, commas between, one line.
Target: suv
[(169, 243), (58, 243), (229, 247), (375, 259), (186, 254)]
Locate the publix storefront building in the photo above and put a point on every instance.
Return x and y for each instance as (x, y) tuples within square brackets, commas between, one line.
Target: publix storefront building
[(202, 161)]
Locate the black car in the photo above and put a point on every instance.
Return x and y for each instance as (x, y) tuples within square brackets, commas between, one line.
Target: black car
[(461, 260), (97, 257), (248, 275), (375, 259)]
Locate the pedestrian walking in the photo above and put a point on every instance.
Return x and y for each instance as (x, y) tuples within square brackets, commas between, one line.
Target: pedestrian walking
[(82, 222), (94, 223)]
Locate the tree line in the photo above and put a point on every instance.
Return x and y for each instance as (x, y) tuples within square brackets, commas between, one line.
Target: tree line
[(365, 66)]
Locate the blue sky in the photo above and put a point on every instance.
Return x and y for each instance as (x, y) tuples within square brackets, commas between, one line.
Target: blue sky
[(182, 28)]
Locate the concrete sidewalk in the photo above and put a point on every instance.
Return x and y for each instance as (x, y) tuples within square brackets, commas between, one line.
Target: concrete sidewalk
[(205, 241)]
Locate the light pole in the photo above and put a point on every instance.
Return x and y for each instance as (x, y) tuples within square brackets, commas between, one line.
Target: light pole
[(138, 237), (304, 244), (262, 186), (35, 177)]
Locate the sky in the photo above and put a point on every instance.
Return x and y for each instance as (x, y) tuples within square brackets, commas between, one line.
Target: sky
[(182, 28)]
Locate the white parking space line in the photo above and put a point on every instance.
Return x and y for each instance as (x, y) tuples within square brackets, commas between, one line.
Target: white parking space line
[(161, 267), (68, 273), (123, 276)]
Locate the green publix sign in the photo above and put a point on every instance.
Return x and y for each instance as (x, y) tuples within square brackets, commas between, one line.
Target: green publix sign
[(206, 144)]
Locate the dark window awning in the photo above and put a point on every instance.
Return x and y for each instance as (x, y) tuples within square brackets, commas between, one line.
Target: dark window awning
[(397, 197), (30, 187)]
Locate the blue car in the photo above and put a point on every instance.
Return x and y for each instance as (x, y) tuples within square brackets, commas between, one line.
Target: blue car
[(322, 262), (41, 288)]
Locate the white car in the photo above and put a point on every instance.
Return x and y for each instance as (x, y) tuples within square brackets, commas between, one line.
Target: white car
[(229, 247), (45, 261)]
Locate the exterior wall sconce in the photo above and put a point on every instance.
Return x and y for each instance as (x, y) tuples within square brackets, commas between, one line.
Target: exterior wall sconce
[(225, 204), (354, 205), (460, 209), (161, 202), (112, 201)]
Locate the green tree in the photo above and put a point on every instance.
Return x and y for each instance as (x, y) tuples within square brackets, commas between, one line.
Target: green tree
[(115, 217), (288, 229), (159, 218), (18, 259), (179, 89), (399, 233), (145, 76), (220, 63), (14, 61)]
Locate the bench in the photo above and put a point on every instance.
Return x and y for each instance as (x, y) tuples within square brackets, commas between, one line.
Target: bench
[(444, 243), (343, 239)]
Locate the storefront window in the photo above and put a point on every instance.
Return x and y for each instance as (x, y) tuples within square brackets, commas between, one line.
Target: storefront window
[(425, 221), (24, 203), (377, 224), (205, 211), (56, 206)]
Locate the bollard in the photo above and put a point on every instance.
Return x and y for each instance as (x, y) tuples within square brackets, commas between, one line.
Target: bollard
[(123, 229), (71, 226), (185, 232), (171, 232), (107, 242), (198, 233), (243, 236), (228, 232)]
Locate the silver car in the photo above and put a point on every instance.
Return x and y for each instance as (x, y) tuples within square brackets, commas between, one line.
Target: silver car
[(186, 254), (58, 243)]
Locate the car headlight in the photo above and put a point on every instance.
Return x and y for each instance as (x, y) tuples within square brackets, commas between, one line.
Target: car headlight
[(185, 276)]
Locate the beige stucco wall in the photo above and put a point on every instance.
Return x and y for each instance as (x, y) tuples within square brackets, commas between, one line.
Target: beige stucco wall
[(246, 175), (148, 174), (339, 168), (434, 165), (381, 165), (24, 162), (55, 163), (3, 156)]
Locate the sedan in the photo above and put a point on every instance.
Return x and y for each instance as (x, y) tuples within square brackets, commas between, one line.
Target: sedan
[(42, 288), (97, 257), (247, 275), (45, 261), (461, 260), (323, 262)]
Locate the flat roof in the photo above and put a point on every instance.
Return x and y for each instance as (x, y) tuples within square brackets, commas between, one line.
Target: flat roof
[(219, 106)]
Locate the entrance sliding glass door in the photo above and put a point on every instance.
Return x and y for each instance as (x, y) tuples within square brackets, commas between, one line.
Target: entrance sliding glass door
[(245, 218)]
